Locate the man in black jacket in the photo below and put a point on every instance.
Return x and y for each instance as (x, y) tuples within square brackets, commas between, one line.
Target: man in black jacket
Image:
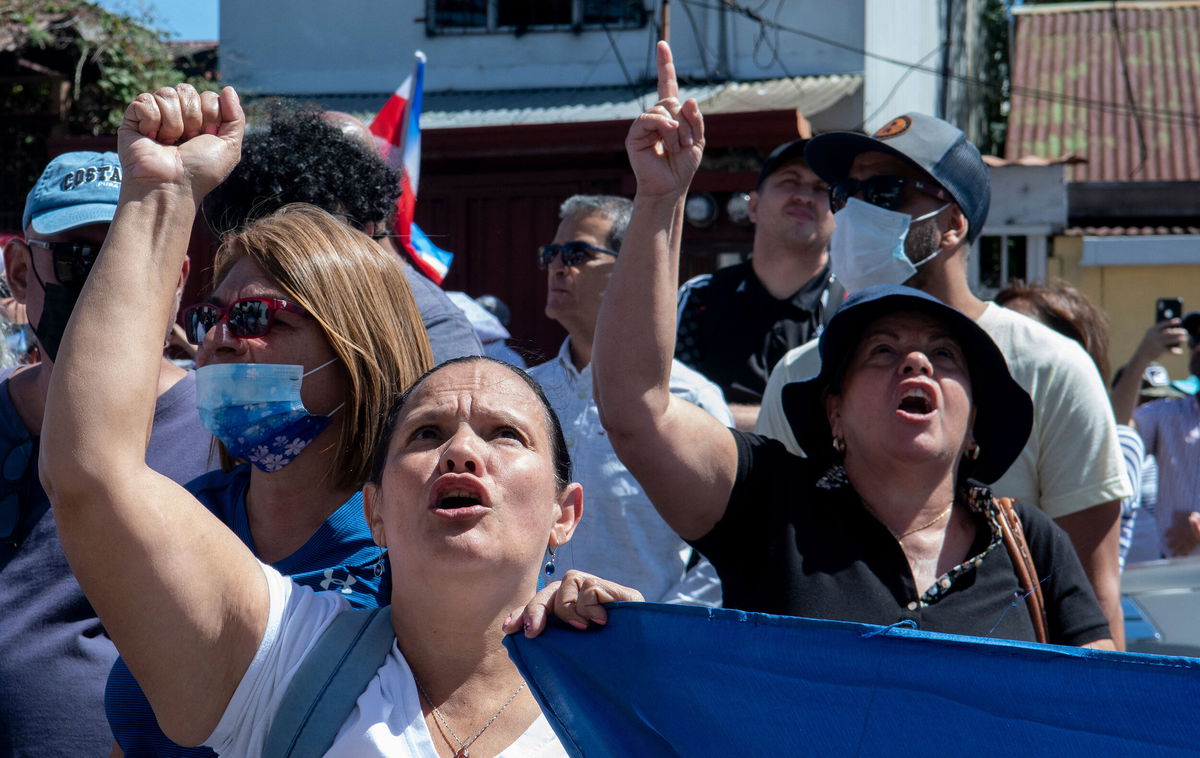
[(734, 324)]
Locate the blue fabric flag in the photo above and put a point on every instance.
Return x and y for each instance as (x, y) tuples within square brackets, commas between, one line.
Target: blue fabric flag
[(667, 680)]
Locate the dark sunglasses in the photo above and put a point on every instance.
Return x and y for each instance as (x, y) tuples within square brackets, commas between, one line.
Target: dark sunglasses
[(72, 261), (883, 191), (573, 253), (248, 317)]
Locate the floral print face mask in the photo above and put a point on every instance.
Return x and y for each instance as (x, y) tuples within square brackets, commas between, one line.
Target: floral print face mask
[(255, 410)]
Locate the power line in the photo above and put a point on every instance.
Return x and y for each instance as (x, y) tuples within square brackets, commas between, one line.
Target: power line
[(1137, 119), (896, 87), (687, 9), (633, 88), (763, 40), (1181, 118)]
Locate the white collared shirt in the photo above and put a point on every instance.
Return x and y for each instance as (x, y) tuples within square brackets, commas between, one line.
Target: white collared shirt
[(621, 536)]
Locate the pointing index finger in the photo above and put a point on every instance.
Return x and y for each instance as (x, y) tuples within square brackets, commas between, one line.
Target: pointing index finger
[(667, 86)]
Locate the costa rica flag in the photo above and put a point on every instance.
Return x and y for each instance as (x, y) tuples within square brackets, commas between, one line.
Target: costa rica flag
[(397, 130)]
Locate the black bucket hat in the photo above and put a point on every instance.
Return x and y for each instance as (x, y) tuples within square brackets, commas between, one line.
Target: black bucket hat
[(1003, 411)]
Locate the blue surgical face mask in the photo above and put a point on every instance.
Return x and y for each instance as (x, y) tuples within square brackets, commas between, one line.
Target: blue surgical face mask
[(255, 410), (868, 245)]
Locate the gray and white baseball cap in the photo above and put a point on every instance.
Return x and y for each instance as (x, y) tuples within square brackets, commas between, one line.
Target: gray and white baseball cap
[(934, 146)]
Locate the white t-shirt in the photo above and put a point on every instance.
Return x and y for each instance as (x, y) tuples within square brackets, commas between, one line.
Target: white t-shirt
[(387, 719), (1072, 460)]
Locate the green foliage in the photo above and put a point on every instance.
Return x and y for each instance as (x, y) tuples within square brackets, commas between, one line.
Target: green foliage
[(995, 30), (73, 70), (114, 56)]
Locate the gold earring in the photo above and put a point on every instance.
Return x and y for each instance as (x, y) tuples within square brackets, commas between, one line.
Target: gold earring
[(973, 451), (839, 445)]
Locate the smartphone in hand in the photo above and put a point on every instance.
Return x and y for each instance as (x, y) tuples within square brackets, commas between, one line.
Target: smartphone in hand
[(1168, 308)]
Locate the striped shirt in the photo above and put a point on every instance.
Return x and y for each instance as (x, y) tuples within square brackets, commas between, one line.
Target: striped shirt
[(1171, 430), (1133, 452)]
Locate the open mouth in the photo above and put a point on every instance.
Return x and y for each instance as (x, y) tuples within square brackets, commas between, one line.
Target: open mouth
[(916, 401), (457, 498)]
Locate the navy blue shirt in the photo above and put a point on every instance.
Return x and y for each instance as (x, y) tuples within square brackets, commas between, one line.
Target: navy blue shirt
[(54, 655), (339, 557)]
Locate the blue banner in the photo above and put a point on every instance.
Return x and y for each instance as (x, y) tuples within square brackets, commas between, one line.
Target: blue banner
[(667, 680)]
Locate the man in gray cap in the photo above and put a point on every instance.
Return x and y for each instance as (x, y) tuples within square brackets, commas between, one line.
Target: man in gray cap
[(54, 656), (908, 202)]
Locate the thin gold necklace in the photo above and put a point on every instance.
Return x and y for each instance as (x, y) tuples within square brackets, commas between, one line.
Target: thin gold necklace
[(915, 529), (462, 746)]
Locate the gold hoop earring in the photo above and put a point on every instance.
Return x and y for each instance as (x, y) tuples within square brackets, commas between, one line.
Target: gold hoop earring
[(973, 451), (839, 445)]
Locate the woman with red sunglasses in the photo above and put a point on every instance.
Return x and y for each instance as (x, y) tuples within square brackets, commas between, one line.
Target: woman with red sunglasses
[(466, 478), (309, 334)]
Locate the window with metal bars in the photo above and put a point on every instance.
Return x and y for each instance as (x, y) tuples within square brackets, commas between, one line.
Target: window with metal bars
[(520, 16)]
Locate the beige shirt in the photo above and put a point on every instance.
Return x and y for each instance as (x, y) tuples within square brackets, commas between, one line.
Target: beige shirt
[(1072, 460)]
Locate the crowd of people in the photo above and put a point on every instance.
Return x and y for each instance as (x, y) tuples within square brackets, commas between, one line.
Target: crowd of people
[(837, 428)]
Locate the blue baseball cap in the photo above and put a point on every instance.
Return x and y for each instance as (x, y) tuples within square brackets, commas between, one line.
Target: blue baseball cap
[(76, 189), (934, 146), (1003, 410)]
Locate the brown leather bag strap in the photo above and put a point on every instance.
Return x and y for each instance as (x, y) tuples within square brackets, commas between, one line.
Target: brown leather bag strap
[(1022, 560)]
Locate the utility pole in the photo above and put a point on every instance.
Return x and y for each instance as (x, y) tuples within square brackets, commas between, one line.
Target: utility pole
[(666, 21)]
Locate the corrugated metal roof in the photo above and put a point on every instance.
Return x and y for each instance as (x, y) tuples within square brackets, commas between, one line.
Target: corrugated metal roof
[(1070, 94), (809, 94)]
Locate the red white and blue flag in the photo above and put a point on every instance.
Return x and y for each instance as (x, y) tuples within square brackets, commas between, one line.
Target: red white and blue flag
[(397, 130)]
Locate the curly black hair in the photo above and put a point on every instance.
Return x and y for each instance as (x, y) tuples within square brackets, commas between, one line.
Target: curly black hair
[(297, 157)]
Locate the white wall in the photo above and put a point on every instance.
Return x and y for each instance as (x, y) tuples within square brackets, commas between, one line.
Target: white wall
[(1027, 200), (906, 31), (311, 47)]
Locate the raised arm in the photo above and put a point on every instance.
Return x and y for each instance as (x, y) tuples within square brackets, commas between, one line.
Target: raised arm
[(684, 459), (1164, 336), (182, 598)]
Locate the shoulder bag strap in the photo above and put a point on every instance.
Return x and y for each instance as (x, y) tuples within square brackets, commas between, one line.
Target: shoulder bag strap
[(1022, 560), (328, 683)]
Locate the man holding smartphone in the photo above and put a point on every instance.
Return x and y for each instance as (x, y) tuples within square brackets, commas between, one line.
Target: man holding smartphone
[(1170, 428)]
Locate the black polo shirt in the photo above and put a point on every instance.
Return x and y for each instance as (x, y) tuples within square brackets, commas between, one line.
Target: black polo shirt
[(732, 330), (796, 541)]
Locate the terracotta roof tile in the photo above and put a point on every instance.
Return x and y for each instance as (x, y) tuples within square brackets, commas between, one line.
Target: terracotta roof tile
[(1127, 231), (1070, 95)]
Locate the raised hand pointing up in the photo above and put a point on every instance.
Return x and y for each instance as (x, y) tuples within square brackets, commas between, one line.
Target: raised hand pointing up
[(666, 142)]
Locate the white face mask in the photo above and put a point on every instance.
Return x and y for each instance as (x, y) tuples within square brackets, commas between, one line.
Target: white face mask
[(868, 245)]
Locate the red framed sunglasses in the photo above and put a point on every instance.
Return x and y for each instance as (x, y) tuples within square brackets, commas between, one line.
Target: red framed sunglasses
[(246, 318)]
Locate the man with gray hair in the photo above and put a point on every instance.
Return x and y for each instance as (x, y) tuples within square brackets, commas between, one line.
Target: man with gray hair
[(623, 538)]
